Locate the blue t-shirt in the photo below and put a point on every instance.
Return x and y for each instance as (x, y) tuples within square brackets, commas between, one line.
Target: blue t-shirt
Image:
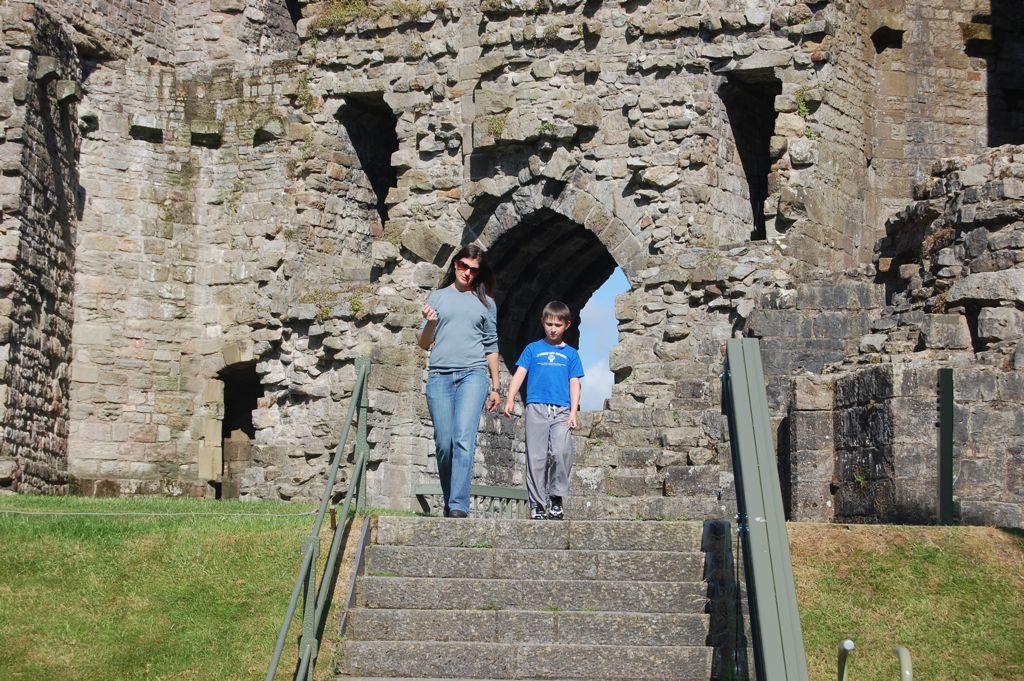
[(466, 330), (548, 370)]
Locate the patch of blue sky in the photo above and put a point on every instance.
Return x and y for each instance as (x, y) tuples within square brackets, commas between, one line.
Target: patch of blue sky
[(598, 333)]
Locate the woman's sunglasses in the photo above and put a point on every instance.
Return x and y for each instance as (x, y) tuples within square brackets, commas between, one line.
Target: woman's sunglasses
[(463, 267)]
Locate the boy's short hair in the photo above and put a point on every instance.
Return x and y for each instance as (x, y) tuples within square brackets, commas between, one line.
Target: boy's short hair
[(558, 310)]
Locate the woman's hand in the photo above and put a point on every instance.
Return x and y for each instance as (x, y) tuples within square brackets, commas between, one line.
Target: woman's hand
[(492, 401), (425, 338)]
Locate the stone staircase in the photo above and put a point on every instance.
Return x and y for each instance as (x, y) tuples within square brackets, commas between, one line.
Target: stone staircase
[(520, 599), (636, 464)]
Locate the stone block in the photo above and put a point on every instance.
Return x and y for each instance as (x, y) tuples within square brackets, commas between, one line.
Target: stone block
[(46, 68), (811, 430), (979, 478), (210, 463), (6, 471), (691, 481), (681, 438), (1000, 323), (872, 342), (426, 242), (65, 90), (807, 465), (975, 385), (626, 483), (811, 501), (945, 332), (989, 288), (998, 514), (1011, 386), (914, 420)]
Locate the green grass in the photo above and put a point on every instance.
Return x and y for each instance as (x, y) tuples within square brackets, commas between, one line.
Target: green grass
[(952, 596), (194, 597), (136, 597)]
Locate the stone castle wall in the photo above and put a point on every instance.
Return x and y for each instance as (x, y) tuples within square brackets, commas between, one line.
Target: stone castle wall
[(865, 441), (40, 208), (269, 190)]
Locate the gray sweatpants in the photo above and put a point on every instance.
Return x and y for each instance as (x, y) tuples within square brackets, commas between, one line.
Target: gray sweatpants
[(549, 452)]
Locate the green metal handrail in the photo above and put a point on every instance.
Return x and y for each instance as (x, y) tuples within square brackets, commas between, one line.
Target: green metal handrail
[(314, 595), (488, 501), (775, 620)]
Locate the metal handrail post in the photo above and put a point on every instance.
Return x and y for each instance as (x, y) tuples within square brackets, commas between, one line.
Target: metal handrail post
[(945, 472), (308, 640), (845, 648), (362, 447), (906, 666)]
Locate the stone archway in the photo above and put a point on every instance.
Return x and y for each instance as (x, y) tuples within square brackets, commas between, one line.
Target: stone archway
[(551, 241), (547, 257)]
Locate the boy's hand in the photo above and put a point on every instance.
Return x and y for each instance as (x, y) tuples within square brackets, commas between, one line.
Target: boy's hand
[(572, 422), (509, 403)]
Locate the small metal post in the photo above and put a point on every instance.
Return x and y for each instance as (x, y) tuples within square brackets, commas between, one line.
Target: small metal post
[(311, 544), (362, 447), (845, 648), (906, 667), (945, 491)]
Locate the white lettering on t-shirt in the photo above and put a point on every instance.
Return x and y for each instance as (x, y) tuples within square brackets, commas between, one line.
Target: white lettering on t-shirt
[(551, 358)]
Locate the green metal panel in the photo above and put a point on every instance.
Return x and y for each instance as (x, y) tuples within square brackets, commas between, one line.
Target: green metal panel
[(945, 490), (777, 628)]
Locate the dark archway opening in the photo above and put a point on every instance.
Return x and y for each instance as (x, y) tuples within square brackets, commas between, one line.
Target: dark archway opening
[(749, 99), (998, 38), (242, 390), (371, 127), (546, 257), (294, 10)]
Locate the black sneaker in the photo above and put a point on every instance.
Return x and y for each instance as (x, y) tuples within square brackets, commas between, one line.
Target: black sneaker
[(555, 512), (537, 513), (456, 513)]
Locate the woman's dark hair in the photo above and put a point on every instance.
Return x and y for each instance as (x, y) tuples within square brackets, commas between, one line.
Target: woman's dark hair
[(483, 283)]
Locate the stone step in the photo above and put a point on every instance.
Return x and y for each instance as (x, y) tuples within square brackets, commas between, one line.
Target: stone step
[(518, 661), (426, 593), (448, 561), (533, 534), (529, 626), (676, 508)]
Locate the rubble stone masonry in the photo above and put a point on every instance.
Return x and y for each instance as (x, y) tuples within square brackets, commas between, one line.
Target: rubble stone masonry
[(213, 207)]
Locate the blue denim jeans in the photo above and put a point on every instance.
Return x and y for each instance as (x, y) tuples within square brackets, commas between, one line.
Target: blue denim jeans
[(455, 400)]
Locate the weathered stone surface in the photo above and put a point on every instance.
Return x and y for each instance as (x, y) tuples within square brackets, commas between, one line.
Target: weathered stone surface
[(989, 287), (327, 194), (1000, 323)]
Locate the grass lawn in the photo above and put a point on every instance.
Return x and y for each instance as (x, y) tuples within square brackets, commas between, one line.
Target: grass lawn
[(954, 596), (144, 597), (190, 597)]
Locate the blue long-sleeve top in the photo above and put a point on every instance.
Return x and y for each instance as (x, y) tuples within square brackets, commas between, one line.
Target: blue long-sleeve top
[(466, 330)]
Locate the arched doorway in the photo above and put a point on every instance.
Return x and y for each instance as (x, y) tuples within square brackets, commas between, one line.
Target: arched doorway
[(545, 257)]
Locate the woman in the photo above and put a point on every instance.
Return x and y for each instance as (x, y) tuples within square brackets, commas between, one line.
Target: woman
[(460, 329)]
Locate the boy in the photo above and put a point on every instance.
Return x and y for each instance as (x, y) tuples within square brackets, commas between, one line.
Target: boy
[(552, 400)]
